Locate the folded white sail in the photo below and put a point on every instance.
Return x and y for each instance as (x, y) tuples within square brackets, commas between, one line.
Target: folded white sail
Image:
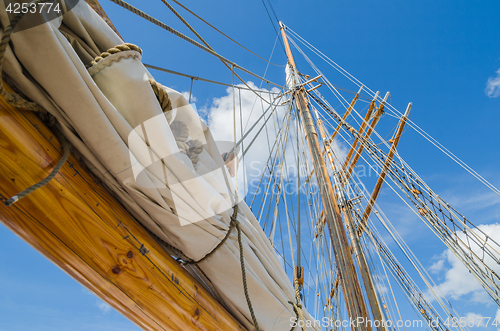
[(175, 183)]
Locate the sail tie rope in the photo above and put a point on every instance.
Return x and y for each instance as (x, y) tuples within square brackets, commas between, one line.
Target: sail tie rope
[(233, 224), (47, 179), (19, 102)]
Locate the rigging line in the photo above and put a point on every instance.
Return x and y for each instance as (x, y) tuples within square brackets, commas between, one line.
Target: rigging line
[(243, 147), (253, 126), (260, 85), (201, 79), (256, 135), (260, 130), (298, 196), (274, 27), (284, 163), (225, 35), (426, 280), (272, 9), (411, 123), (267, 130), (281, 140), (230, 67), (276, 144), (417, 269), (162, 25), (272, 158), (190, 90), (235, 162), (268, 185)]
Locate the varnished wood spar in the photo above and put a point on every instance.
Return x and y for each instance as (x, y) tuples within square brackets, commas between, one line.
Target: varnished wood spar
[(383, 173), (353, 296), (79, 226), (347, 113), (367, 135), (361, 130)]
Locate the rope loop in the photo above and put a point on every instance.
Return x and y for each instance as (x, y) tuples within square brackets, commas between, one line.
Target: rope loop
[(233, 224), (47, 179), (118, 48)]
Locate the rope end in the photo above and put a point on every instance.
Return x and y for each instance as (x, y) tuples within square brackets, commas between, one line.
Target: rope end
[(11, 201)]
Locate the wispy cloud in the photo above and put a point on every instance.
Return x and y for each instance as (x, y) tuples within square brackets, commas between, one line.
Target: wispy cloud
[(103, 307), (437, 267), (458, 281), (186, 95), (493, 86)]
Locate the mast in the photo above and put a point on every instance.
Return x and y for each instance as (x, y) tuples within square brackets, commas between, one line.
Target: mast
[(353, 297), (383, 173), (357, 249)]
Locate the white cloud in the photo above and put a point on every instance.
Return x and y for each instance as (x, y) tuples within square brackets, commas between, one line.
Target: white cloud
[(221, 123), (103, 307), (458, 281), (437, 266), (493, 86), (185, 94)]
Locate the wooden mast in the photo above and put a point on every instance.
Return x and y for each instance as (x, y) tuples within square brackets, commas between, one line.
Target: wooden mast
[(358, 251), (361, 129), (353, 297), (378, 114)]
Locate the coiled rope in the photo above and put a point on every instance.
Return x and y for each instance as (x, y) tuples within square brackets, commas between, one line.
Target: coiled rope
[(118, 48), (161, 96)]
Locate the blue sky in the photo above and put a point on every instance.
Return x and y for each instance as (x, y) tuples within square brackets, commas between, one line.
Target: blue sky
[(437, 54)]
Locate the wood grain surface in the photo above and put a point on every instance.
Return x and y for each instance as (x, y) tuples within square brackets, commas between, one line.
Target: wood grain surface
[(81, 227)]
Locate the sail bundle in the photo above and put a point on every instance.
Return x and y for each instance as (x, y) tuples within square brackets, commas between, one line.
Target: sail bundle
[(162, 164)]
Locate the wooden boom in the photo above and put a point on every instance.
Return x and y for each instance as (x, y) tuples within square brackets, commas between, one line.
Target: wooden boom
[(78, 225)]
